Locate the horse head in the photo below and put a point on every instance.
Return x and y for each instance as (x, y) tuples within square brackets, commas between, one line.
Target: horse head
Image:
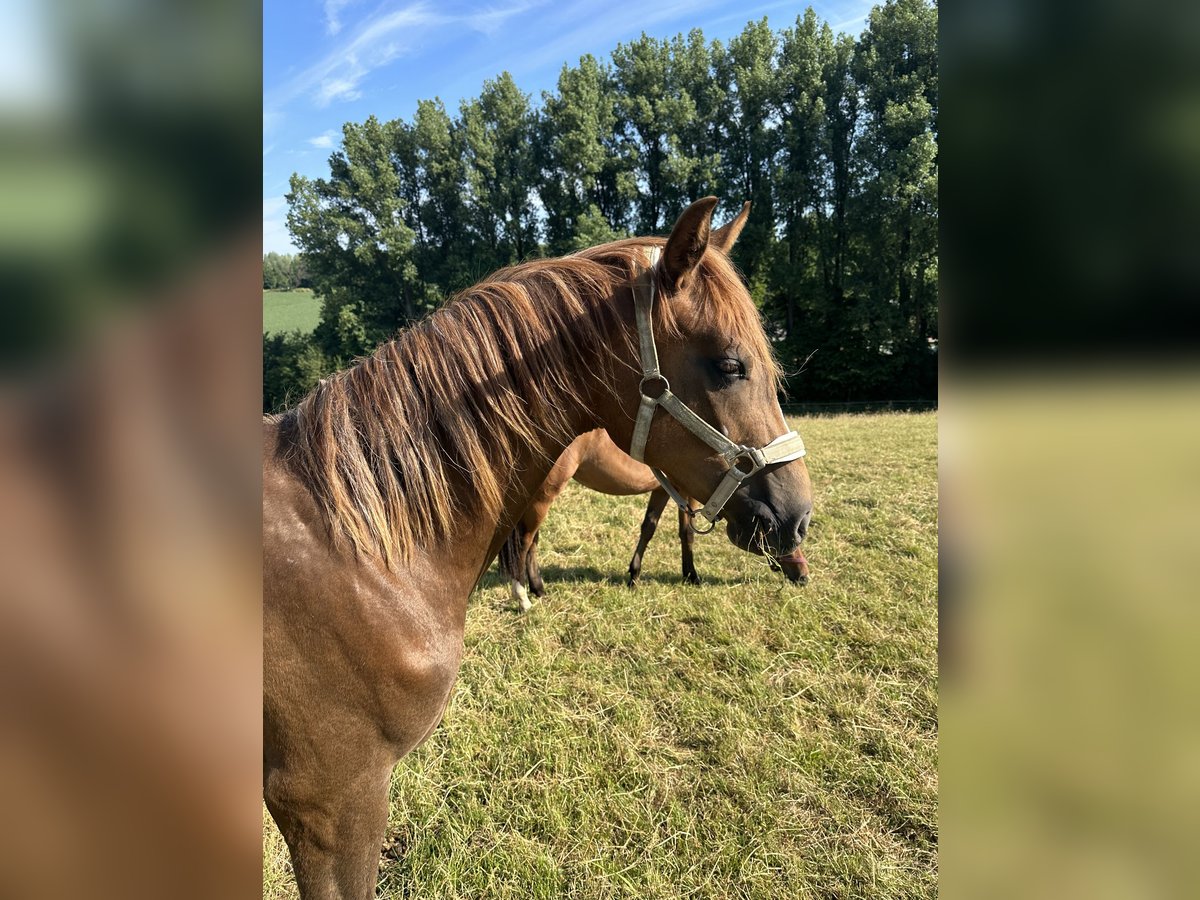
[(701, 406)]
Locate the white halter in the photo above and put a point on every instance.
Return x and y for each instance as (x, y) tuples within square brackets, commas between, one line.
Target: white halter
[(784, 448)]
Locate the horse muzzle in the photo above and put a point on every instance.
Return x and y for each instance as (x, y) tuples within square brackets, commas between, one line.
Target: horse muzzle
[(757, 528)]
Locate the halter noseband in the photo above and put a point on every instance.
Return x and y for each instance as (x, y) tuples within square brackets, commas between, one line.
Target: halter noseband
[(743, 461)]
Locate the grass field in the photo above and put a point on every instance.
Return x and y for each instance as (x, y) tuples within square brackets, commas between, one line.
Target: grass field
[(743, 739), (290, 310)]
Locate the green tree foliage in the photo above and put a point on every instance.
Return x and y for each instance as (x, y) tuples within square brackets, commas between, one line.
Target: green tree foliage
[(833, 139), (283, 272), (292, 366), (359, 248), (586, 168), (800, 177), (498, 129), (645, 113), (670, 117), (697, 134), (432, 158), (751, 140), (896, 69)]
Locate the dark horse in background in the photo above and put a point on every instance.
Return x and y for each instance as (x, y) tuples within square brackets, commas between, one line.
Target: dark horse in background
[(389, 490), (596, 462)]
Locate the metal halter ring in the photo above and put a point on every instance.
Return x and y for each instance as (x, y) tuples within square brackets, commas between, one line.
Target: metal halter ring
[(654, 378), (695, 517)]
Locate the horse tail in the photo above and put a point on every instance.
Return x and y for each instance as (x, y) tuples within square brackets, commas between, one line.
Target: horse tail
[(512, 562)]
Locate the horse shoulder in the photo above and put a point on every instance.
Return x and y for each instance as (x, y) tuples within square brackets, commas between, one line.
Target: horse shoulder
[(375, 644)]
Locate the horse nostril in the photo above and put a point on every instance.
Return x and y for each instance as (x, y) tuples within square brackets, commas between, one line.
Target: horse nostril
[(802, 526)]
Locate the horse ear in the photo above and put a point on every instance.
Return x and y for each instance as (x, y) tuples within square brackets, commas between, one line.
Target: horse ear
[(688, 241), (725, 236)]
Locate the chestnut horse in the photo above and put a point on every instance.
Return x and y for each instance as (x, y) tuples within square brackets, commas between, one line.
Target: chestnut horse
[(390, 488), (596, 462)]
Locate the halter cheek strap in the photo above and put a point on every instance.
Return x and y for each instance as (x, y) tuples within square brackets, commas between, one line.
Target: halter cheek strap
[(655, 391)]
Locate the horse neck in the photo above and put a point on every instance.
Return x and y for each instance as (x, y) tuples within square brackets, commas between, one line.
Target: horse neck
[(480, 537), (523, 483)]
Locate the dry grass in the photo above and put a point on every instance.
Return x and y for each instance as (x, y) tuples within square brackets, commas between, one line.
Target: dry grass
[(746, 738)]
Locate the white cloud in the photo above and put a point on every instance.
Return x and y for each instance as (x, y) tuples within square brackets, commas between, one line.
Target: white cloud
[(337, 76), (379, 40), (842, 26), (342, 88), (599, 26), (332, 7), (323, 141), (488, 20)]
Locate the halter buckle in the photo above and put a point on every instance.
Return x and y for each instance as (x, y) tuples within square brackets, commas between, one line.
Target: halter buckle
[(753, 456)]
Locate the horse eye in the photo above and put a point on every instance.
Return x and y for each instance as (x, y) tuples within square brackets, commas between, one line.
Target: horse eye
[(729, 366)]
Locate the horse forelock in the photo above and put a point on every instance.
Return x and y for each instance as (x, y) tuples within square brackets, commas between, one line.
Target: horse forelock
[(719, 299)]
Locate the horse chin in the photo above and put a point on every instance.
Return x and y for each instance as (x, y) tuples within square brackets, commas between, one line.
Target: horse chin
[(749, 540), (793, 565)]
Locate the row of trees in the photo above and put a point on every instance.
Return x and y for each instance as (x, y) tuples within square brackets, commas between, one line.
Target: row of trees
[(284, 272), (833, 139)]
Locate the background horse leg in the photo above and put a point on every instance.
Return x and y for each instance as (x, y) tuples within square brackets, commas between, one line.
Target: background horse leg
[(514, 557), (533, 574), (518, 555), (333, 819), (658, 502), (687, 539)]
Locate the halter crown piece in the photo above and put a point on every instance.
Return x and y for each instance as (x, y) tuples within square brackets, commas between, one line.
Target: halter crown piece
[(743, 461)]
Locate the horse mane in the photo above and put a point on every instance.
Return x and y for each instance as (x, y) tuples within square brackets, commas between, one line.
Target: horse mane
[(386, 445)]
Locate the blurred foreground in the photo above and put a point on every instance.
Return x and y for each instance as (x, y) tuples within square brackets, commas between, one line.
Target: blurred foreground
[(1069, 623), (1070, 449), (130, 744)]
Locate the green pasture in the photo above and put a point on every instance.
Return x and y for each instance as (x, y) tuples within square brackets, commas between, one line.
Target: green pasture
[(290, 311), (742, 739)]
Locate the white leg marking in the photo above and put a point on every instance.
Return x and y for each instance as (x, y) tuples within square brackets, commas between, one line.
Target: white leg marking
[(520, 595)]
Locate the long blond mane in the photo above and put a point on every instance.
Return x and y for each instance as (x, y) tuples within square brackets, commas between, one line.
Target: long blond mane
[(430, 427)]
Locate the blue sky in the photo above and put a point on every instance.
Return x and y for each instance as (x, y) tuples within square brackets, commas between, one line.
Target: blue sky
[(326, 62)]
